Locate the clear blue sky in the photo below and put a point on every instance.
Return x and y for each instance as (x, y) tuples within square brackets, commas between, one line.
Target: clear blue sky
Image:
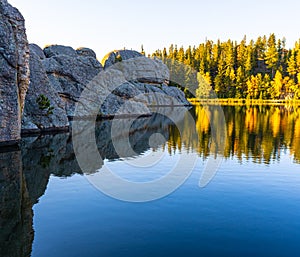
[(105, 25)]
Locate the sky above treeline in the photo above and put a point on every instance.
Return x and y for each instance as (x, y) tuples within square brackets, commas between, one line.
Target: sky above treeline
[(106, 25)]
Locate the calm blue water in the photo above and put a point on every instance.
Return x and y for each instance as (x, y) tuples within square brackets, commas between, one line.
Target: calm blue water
[(247, 210), (251, 207)]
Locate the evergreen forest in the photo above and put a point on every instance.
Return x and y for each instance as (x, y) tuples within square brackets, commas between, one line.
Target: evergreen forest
[(259, 69)]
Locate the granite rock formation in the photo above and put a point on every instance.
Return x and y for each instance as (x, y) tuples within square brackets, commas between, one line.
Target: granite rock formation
[(69, 72), (57, 78), (14, 71), (35, 118)]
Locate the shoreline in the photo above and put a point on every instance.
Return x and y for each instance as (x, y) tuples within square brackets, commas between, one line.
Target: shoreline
[(243, 102)]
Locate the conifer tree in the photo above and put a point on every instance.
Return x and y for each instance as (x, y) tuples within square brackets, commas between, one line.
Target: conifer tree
[(271, 55), (292, 69)]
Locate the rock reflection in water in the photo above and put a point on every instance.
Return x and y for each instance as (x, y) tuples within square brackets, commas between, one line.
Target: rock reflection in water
[(16, 232), (25, 172)]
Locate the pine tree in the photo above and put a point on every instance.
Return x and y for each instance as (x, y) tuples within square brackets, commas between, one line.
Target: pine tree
[(253, 85), (276, 86), (165, 54), (292, 69), (180, 56), (241, 53), (298, 61), (249, 60), (142, 50), (171, 52), (271, 55), (240, 83)]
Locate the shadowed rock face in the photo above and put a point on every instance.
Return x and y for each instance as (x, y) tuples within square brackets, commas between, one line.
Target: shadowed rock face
[(14, 71), (35, 118)]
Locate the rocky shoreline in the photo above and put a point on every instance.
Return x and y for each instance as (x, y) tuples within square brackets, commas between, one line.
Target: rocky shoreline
[(40, 88)]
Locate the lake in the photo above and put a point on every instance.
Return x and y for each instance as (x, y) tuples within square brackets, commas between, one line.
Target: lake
[(188, 186)]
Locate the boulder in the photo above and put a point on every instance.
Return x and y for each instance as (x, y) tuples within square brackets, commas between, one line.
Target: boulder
[(54, 50), (70, 72), (119, 90), (83, 51), (119, 55), (146, 82), (176, 94), (152, 94), (37, 50), (144, 70), (36, 118), (14, 71), (118, 106)]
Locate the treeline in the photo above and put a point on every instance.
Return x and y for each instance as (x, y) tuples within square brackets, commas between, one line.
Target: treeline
[(261, 69)]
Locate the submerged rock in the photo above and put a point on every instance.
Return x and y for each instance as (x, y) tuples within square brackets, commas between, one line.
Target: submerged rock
[(14, 71), (36, 118)]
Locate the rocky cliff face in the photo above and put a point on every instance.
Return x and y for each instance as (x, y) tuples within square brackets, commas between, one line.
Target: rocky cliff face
[(37, 116), (14, 71), (69, 72)]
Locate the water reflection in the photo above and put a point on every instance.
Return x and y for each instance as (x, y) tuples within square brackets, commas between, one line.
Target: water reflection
[(16, 232), (256, 133), (25, 173)]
